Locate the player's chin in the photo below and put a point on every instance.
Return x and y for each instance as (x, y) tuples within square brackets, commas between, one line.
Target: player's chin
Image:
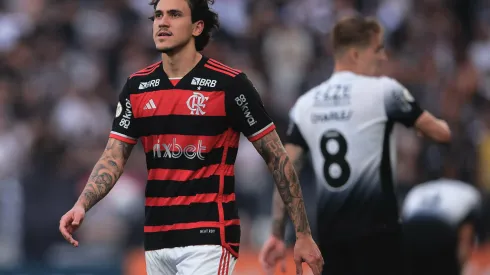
[(164, 48)]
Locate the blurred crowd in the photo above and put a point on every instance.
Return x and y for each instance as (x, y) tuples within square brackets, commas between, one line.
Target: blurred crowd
[(63, 64)]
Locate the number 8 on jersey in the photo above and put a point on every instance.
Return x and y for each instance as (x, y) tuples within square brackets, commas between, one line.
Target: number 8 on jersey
[(336, 169)]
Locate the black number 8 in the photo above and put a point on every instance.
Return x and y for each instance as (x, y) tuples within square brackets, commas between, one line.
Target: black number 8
[(337, 158)]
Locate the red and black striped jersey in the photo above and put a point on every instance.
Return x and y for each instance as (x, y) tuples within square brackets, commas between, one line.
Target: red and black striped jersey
[(190, 130)]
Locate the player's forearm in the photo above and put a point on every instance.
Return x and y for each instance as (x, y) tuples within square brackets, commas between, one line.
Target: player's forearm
[(271, 149), (105, 173), (279, 210), (279, 213)]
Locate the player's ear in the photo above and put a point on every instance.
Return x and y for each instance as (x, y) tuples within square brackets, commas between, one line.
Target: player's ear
[(197, 28), (353, 54)]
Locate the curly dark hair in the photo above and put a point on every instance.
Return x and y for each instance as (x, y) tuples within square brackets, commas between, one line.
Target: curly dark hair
[(200, 11)]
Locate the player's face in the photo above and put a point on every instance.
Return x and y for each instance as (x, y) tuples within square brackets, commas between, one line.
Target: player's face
[(173, 27), (371, 58)]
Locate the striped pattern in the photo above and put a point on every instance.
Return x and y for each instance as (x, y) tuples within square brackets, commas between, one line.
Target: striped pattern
[(222, 68), (146, 71), (190, 136)]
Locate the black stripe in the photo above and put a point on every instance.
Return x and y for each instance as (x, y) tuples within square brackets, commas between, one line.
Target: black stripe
[(230, 210), (196, 212), (231, 156), (167, 215), (179, 238), (182, 125), (168, 188), (170, 160), (232, 234), (388, 205)]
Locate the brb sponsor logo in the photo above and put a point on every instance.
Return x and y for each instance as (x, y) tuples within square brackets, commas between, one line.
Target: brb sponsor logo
[(149, 84), (126, 118), (242, 102), (175, 150), (195, 103), (204, 82)]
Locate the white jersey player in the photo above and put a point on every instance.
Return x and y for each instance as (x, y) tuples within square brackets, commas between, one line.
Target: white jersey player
[(345, 123), (441, 219)]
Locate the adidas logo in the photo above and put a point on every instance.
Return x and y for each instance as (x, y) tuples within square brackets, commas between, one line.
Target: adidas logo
[(203, 82), (150, 105)]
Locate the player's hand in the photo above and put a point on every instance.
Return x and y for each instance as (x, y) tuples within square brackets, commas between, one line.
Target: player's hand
[(70, 222), (306, 250), (273, 251)]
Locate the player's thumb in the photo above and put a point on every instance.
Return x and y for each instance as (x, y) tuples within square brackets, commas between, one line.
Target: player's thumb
[(77, 219), (283, 266)]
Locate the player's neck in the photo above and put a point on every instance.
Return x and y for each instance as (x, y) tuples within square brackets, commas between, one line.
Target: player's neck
[(346, 68), (180, 63)]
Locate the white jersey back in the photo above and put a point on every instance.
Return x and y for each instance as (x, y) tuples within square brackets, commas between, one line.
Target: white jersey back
[(346, 124), (448, 200)]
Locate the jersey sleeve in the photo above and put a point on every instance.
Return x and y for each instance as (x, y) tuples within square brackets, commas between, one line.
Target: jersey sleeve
[(293, 133), (245, 109), (400, 105), (123, 125)]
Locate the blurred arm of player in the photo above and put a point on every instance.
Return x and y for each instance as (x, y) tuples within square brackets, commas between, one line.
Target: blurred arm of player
[(274, 250), (432, 127), (402, 107), (107, 170)]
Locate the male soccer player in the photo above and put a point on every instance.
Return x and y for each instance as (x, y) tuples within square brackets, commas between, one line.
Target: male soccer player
[(188, 111), (345, 123), (441, 220)]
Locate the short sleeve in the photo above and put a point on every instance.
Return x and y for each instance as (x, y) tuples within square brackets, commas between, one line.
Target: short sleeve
[(245, 109), (293, 133), (123, 125), (400, 105)]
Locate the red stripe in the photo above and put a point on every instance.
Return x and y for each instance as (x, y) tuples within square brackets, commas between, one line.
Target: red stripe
[(234, 244), (228, 263), (219, 70), (123, 139), (192, 225), (146, 70), (223, 66), (209, 142), (185, 175), (221, 260), (144, 73), (186, 200), (263, 133), (179, 102)]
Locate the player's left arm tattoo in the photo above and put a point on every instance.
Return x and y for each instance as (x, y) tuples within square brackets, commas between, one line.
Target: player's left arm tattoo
[(272, 151)]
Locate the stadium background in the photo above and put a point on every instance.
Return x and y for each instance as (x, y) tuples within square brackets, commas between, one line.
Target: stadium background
[(63, 63)]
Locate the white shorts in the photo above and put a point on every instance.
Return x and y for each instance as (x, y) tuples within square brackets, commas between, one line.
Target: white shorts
[(190, 260)]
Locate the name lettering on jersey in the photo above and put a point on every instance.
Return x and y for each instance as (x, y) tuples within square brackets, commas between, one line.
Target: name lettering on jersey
[(204, 82), (241, 101), (333, 95), (207, 231), (175, 150), (342, 115), (195, 103), (126, 119), (149, 84)]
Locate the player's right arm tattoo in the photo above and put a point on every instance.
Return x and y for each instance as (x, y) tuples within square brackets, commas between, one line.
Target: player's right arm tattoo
[(279, 210), (105, 173), (272, 151)]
